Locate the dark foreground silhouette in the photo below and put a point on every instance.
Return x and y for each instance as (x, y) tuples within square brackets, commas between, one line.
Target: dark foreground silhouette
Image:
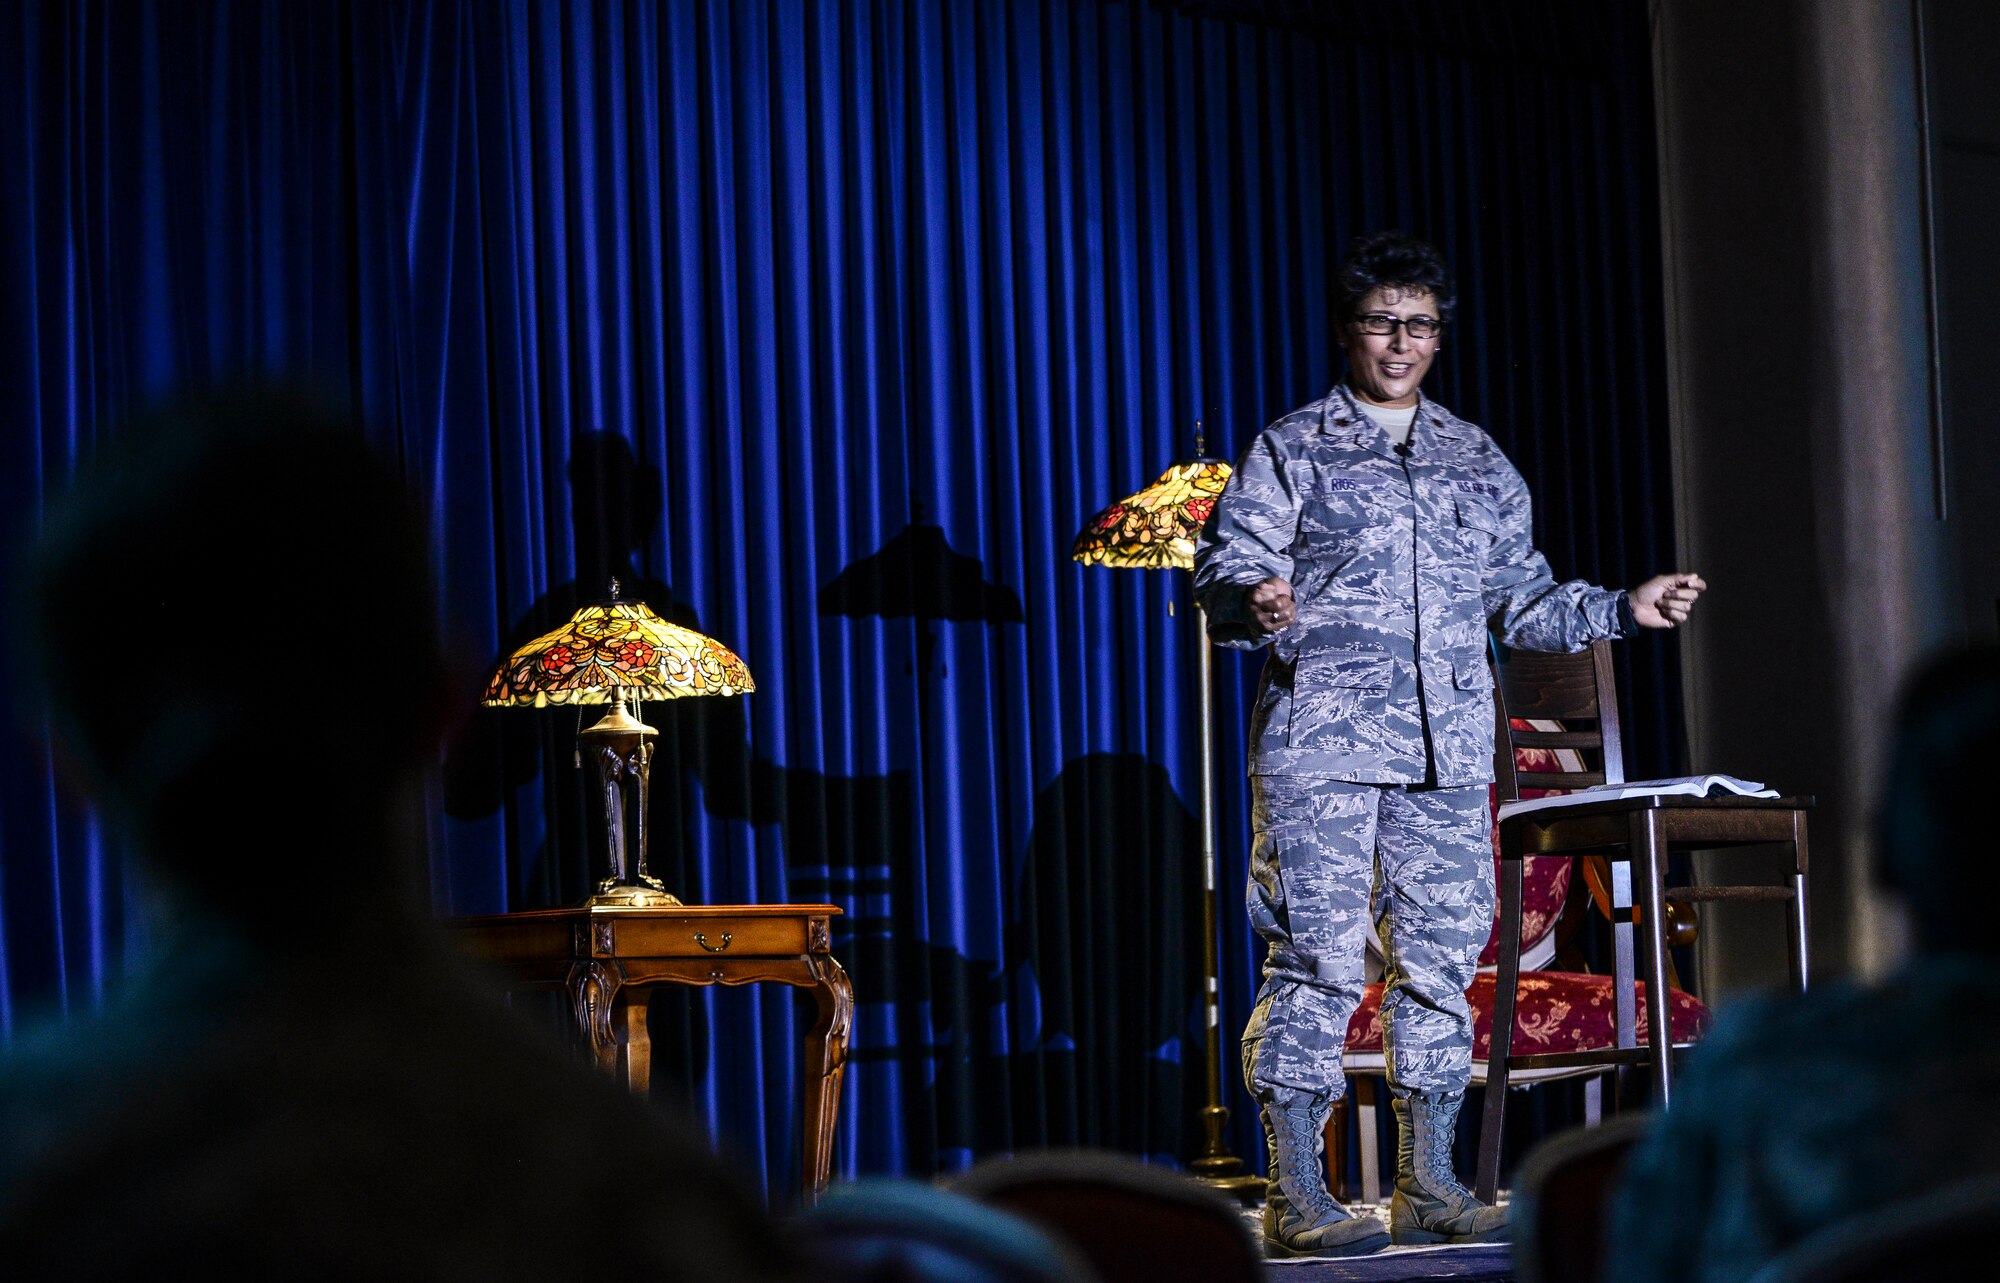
[(236, 642)]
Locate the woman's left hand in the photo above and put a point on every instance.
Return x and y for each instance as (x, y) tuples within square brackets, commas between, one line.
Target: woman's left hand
[(1665, 600)]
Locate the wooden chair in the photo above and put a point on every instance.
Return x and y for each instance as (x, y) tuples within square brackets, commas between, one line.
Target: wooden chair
[(1637, 834), (1560, 1003)]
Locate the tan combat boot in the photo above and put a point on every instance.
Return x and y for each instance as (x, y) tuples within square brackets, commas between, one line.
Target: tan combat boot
[(1301, 1218), (1429, 1205)]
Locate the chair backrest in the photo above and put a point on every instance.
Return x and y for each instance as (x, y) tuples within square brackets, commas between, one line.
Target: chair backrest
[(1581, 692), (1562, 1200), (1130, 1222), (885, 1231)]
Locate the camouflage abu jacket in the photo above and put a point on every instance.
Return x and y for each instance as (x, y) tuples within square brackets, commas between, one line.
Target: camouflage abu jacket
[(1399, 567)]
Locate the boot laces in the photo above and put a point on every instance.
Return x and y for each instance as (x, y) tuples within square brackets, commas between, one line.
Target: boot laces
[(1438, 1175), (1301, 1135)]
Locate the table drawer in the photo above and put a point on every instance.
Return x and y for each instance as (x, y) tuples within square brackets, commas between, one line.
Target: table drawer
[(690, 931), (661, 935)]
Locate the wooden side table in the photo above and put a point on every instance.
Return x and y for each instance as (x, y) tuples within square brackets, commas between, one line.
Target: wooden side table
[(605, 959)]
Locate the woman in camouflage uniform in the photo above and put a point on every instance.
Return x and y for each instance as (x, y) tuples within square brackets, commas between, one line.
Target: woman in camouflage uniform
[(1372, 539)]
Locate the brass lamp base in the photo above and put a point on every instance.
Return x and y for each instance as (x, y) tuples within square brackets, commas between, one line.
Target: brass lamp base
[(1243, 1189), (1221, 1170), (631, 897), (620, 747)]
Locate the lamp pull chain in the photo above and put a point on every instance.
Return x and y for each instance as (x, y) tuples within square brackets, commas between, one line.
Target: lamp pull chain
[(576, 745)]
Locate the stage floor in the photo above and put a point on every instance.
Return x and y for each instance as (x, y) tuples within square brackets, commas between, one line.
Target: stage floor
[(1485, 1262)]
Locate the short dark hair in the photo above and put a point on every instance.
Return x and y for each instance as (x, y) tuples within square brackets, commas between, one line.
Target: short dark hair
[(1394, 260)]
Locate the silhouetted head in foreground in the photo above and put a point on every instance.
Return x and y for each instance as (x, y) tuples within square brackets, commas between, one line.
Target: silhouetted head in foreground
[(236, 634), (237, 640), (1934, 828)]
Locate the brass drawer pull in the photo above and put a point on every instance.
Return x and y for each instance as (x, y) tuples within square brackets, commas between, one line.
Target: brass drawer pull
[(701, 938)]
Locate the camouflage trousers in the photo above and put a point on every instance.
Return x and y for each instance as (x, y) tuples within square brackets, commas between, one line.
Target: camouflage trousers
[(1317, 847)]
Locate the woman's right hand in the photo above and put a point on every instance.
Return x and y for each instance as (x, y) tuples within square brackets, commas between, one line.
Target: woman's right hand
[(1270, 606)]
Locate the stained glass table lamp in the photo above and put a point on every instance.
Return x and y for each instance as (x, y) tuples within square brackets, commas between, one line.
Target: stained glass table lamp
[(614, 652), (1155, 529)]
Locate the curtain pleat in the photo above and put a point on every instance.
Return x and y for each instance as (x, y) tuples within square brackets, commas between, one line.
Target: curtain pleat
[(823, 327)]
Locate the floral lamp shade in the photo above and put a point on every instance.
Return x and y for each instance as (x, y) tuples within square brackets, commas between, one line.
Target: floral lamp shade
[(616, 649), (613, 652), (1155, 528)]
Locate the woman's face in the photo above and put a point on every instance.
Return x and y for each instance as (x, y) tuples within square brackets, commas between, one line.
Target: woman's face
[(1386, 368)]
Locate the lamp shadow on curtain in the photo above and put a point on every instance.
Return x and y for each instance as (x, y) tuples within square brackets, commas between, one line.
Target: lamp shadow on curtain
[(1083, 1032), (917, 575), (1075, 1035)]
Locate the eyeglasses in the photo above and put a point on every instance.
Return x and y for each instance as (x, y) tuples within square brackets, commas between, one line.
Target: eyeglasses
[(1418, 327)]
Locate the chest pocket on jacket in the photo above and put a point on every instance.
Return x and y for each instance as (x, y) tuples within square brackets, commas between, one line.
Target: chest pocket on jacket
[(1341, 501), (1478, 519)]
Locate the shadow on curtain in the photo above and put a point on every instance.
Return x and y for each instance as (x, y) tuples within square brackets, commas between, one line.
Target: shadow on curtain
[(823, 326)]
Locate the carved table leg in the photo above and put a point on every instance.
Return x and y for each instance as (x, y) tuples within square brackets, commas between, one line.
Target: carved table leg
[(825, 1061), (593, 988)]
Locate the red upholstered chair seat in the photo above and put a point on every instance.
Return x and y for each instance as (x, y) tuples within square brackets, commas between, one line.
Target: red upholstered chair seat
[(1556, 1011)]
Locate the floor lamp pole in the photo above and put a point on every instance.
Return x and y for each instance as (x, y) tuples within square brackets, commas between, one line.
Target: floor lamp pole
[(1219, 1168)]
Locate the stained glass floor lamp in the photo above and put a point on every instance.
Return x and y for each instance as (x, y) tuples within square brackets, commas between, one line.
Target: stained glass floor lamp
[(612, 652), (1154, 530)]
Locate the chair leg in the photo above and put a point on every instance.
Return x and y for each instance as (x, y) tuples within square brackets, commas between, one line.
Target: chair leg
[(1649, 854), (1799, 920), (1368, 1120), (1624, 1007), (1593, 1100), (1493, 1121), (1336, 1151)]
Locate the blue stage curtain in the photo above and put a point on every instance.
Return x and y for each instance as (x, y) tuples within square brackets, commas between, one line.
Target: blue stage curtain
[(823, 326)]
